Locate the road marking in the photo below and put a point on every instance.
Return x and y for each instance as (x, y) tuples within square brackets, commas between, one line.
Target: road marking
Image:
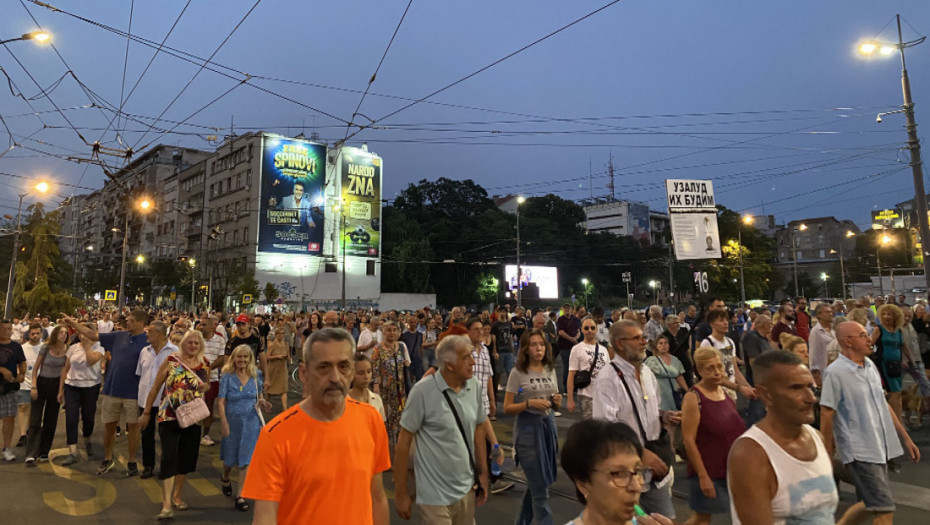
[(203, 486), (151, 487), (105, 492)]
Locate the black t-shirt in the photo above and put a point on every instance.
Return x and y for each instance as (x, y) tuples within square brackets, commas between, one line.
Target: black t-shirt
[(254, 342), (519, 327), (11, 355), (503, 331)]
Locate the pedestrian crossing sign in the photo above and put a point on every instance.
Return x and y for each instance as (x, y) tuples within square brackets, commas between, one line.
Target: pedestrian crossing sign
[(110, 295), (247, 298)]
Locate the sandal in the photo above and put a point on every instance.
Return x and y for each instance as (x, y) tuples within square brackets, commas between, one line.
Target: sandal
[(165, 515), (180, 505), (241, 504), (227, 487)]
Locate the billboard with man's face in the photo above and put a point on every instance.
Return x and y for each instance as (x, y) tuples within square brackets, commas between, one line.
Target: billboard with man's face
[(291, 198)]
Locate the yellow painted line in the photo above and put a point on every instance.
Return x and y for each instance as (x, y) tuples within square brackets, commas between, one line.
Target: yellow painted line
[(104, 491), (151, 487), (203, 486)]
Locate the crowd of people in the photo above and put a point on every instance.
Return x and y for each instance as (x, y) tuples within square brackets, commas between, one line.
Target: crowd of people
[(767, 406)]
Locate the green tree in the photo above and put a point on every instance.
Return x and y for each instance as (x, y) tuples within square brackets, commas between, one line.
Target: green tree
[(39, 268), (271, 293), (488, 288)]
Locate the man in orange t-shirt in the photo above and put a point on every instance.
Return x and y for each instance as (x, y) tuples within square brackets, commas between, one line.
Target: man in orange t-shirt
[(321, 460)]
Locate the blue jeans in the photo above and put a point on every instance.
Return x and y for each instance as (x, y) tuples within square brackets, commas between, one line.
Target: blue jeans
[(535, 506), (508, 361)]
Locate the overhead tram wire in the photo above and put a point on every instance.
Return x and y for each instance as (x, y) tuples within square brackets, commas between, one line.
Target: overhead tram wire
[(200, 70), (122, 98), (492, 64), (144, 71), (375, 74), (190, 58)]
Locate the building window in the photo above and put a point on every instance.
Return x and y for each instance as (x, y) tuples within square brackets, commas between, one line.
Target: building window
[(238, 181), (245, 236), (236, 237), (370, 267), (822, 254), (212, 191)]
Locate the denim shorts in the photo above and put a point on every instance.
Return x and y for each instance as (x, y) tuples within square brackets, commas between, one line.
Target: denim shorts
[(23, 397), (702, 504), (872, 488)]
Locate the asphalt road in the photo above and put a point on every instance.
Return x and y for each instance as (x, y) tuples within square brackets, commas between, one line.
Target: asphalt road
[(50, 494)]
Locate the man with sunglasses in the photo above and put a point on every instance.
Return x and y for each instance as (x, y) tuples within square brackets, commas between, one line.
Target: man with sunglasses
[(628, 392), (859, 424), (582, 358)]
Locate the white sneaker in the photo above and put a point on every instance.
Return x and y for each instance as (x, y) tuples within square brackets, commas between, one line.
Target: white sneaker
[(207, 441), (8, 455)]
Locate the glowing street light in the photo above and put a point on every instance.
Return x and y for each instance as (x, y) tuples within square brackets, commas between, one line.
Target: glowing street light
[(143, 205), (39, 36), (883, 241), (41, 187), (747, 220), (520, 200), (584, 282), (794, 255), (140, 258)]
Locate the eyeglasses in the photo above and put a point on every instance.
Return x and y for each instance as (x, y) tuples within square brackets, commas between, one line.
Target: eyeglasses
[(621, 478), (589, 328), (639, 337), (864, 335)]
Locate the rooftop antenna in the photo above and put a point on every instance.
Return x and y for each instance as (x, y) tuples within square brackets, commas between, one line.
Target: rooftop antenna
[(610, 175)]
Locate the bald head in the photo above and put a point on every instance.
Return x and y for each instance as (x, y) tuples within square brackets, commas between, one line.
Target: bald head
[(330, 319), (539, 320)]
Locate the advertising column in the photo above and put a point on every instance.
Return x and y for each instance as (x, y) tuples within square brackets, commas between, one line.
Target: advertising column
[(361, 198), (291, 201)]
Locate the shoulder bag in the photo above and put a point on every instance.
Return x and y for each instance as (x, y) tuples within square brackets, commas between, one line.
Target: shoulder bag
[(471, 456), (661, 447), (195, 410), (583, 377)]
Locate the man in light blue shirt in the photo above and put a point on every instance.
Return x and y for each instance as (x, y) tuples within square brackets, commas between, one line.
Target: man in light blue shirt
[(444, 470), (858, 423), (150, 360)]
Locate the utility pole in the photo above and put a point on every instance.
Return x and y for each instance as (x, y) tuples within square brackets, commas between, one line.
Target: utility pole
[(913, 145)]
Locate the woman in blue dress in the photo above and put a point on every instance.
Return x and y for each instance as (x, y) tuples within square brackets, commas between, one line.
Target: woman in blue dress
[(240, 390), (892, 351)]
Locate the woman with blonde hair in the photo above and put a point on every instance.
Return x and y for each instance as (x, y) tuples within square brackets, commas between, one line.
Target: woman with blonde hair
[(860, 316), (796, 345), (186, 377), (891, 352), (710, 424), (238, 402)]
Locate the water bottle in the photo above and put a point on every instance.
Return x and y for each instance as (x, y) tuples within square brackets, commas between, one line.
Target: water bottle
[(495, 468)]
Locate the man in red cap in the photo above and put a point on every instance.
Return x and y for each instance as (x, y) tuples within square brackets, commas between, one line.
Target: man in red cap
[(243, 335)]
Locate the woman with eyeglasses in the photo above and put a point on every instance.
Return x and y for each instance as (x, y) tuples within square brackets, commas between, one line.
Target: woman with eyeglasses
[(605, 462), (710, 424)]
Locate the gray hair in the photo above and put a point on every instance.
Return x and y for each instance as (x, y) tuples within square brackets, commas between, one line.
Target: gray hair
[(619, 328), (447, 349), (655, 311), (327, 335), (159, 327), (820, 307), (672, 318)]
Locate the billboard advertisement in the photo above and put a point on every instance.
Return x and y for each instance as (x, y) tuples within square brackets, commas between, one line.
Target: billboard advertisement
[(360, 184), (884, 219), (692, 215), (546, 279), (291, 202), (639, 222)]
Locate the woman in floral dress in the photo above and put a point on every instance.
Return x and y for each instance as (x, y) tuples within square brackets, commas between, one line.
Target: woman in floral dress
[(389, 359)]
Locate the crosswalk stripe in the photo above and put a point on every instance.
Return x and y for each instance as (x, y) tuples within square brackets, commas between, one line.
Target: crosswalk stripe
[(203, 486)]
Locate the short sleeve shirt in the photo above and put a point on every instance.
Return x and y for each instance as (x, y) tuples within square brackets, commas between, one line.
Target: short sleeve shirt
[(212, 350), (121, 379), (442, 463), (533, 385), (503, 334), (482, 373), (80, 374), (320, 471), (11, 355), (571, 325), (254, 342), (581, 358)]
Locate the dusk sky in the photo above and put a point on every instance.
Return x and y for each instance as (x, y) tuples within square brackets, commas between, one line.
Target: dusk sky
[(767, 99)]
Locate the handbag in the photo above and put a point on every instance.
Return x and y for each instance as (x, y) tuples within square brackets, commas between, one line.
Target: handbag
[(677, 395), (194, 411), (583, 377), (662, 446), (471, 456)]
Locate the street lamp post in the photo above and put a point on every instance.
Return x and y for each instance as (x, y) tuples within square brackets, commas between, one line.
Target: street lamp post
[(39, 36), (913, 143), (41, 187), (520, 200), (584, 283), (192, 263), (144, 206), (341, 228), (842, 268), (824, 277), (878, 259), (739, 234), (655, 288), (794, 255)]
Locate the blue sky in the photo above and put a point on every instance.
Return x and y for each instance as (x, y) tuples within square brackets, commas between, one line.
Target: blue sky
[(743, 93)]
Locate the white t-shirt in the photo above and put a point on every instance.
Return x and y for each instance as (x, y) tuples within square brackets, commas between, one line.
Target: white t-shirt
[(104, 327), (18, 331), (366, 337), (32, 352), (213, 349), (80, 374), (581, 358), (603, 334), (728, 350)]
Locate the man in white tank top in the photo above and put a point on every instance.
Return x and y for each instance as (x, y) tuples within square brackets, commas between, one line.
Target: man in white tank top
[(779, 471)]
